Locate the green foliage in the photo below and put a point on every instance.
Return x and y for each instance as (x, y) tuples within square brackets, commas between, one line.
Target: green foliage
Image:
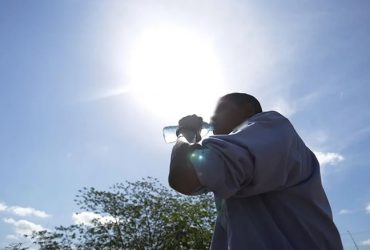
[(136, 215)]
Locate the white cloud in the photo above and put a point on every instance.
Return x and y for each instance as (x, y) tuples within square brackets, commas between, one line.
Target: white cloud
[(3, 207), (328, 158), (27, 211), (87, 217), (344, 211), (84, 217), (23, 211), (23, 227), (366, 242), (368, 208)]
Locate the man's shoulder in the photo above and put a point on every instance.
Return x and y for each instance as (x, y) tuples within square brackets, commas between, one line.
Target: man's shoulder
[(253, 128), (272, 114), (267, 117)]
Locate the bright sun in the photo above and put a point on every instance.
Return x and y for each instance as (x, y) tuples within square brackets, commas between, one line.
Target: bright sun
[(174, 72)]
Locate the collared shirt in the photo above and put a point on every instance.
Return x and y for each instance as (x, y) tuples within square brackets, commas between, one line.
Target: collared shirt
[(267, 187)]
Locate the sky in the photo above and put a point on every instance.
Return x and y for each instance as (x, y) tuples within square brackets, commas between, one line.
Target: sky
[(87, 86)]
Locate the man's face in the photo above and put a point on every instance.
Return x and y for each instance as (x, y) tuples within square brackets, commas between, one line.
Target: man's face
[(228, 116)]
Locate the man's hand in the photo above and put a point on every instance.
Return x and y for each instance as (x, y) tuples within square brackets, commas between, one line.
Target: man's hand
[(190, 127), (182, 176)]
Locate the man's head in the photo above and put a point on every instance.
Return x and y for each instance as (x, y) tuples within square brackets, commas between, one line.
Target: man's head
[(233, 109)]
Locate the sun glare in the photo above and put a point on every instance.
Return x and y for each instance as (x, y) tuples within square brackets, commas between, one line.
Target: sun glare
[(174, 72)]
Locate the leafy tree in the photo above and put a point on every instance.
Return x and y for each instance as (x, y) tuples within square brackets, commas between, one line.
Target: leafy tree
[(136, 215), (16, 246)]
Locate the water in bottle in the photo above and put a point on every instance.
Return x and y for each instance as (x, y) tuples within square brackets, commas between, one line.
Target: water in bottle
[(169, 132)]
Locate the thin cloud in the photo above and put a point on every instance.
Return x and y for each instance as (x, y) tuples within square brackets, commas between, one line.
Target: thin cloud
[(319, 137), (283, 107), (23, 227), (109, 93), (329, 158), (350, 211), (344, 211), (289, 107), (86, 218), (365, 242), (28, 211), (23, 211), (368, 209), (308, 99)]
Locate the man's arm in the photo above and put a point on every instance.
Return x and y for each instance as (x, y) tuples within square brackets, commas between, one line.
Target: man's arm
[(182, 176)]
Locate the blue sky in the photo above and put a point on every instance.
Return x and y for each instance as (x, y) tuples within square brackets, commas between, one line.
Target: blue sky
[(86, 87)]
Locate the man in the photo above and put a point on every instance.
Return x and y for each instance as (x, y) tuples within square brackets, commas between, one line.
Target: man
[(266, 181)]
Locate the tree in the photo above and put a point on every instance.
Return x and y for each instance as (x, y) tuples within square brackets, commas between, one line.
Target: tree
[(136, 215), (16, 246)]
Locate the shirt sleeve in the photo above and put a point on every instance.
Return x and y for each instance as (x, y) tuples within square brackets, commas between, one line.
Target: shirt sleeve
[(222, 167), (264, 155)]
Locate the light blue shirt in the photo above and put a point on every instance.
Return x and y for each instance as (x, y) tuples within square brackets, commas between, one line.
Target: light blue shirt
[(267, 188)]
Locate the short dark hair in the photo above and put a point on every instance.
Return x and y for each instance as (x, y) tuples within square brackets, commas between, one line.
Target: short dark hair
[(243, 99)]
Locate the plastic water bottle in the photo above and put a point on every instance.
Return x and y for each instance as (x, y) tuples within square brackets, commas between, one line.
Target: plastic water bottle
[(169, 132)]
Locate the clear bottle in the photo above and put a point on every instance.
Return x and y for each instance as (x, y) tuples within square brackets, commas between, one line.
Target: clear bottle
[(169, 132)]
